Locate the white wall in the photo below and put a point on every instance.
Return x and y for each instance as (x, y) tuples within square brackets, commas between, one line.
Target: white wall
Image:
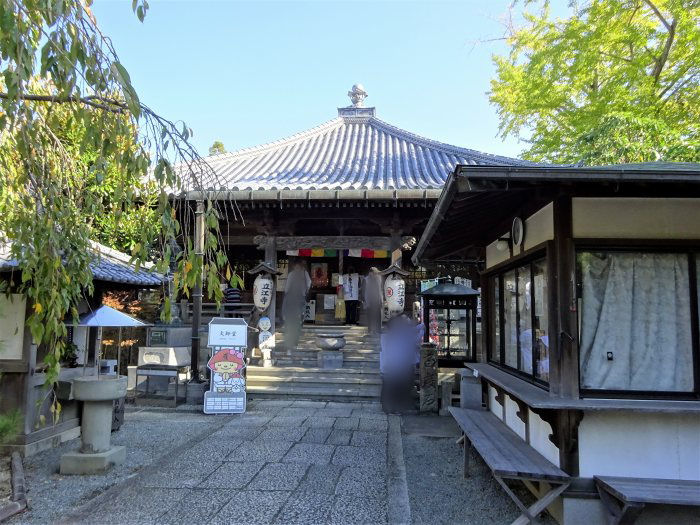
[(12, 309), (539, 438), (636, 218), (494, 406), (539, 227), (539, 430), (640, 445), (512, 420)]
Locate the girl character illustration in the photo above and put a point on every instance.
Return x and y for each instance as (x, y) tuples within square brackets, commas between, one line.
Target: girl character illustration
[(227, 366)]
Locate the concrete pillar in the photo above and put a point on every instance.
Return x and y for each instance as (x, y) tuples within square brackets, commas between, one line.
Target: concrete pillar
[(428, 378), (95, 454), (97, 426)]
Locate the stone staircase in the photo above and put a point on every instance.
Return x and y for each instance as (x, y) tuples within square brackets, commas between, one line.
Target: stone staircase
[(296, 373)]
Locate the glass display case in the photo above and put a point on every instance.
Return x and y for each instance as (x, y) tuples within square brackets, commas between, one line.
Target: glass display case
[(450, 318)]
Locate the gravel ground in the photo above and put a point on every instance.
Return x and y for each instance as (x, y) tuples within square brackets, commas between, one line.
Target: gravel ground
[(437, 490), (147, 434), (281, 462)]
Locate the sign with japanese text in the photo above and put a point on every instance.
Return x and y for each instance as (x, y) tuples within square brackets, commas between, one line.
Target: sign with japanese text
[(224, 331), (310, 310)]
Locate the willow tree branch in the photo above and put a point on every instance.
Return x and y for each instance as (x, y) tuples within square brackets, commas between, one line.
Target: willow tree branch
[(107, 104)]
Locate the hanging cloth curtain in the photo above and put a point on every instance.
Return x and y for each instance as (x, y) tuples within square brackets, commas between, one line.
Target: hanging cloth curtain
[(635, 326)]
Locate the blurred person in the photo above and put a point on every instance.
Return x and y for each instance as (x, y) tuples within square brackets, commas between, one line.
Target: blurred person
[(295, 291), (373, 299), (397, 361)]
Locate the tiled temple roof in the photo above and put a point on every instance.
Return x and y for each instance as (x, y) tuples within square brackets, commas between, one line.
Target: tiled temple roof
[(355, 151), (108, 265)]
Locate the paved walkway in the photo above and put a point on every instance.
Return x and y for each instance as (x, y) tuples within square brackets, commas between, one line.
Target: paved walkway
[(281, 462)]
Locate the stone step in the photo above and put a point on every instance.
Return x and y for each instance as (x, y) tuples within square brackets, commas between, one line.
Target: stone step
[(335, 392), (313, 363), (310, 352), (275, 370), (318, 378), (313, 342)]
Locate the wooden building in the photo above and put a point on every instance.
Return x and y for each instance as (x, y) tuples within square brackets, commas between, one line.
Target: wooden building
[(591, 353), (22, 377), (342, 195)]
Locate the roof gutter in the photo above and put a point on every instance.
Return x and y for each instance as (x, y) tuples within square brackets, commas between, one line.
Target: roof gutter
[(443, 204), (544, 174), (310, 195)]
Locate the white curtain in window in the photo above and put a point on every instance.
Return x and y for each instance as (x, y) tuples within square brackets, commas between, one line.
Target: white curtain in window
[(636, 306)]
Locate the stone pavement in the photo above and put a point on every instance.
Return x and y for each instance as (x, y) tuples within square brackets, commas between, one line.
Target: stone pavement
[(280, 462)]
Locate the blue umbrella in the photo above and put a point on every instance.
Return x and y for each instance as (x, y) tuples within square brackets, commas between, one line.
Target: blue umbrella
[(108, 317)]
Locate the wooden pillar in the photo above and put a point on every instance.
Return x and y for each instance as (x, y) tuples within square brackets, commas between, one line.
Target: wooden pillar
[(271, 260), (197, 290), (564, 374), (394, 245)]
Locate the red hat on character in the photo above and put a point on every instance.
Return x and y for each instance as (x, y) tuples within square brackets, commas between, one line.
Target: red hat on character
[(228, 354)]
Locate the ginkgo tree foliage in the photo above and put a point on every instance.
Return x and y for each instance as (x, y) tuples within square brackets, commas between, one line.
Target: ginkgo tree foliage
[(76, 144), (616, 81)]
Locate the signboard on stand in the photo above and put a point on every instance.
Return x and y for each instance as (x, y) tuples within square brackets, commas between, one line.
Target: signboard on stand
[(310, 310), (228, 340)]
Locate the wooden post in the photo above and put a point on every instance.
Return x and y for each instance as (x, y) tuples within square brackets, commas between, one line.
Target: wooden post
[(564, 354), (197, 290), (395, 247), (271, 260)]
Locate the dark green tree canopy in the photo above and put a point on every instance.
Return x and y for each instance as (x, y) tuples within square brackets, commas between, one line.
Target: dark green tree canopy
[(616, 81)]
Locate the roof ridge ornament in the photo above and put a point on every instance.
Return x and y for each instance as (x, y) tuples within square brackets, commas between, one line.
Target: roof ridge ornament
[(357, 95), (357, 110)]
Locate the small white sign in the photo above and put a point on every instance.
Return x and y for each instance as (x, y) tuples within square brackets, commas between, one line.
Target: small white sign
[(310, 310), (328, 302), (224, 331)]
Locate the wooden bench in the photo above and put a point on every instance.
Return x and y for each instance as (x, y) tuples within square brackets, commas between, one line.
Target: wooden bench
[(509, 457), (625, 498)]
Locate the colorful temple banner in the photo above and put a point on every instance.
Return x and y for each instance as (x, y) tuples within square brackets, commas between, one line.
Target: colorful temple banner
[(321, 252)]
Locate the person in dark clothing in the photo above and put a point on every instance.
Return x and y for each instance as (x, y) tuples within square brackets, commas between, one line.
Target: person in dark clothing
[(232, 295), (232, 298)]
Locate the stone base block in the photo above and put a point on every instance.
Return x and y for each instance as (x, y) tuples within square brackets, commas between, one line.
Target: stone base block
[(428, 399), (195, 392), (78, 463), (330, 359), (445, 397), (267, 363)]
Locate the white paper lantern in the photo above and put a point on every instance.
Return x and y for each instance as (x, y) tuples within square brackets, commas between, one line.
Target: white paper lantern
[(263, 290), (395, 294)]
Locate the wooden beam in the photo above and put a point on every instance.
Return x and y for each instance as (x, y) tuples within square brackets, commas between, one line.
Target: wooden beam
[(332, 242)]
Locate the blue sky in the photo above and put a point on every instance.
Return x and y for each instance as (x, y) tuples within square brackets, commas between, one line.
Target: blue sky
[(247, 73)]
